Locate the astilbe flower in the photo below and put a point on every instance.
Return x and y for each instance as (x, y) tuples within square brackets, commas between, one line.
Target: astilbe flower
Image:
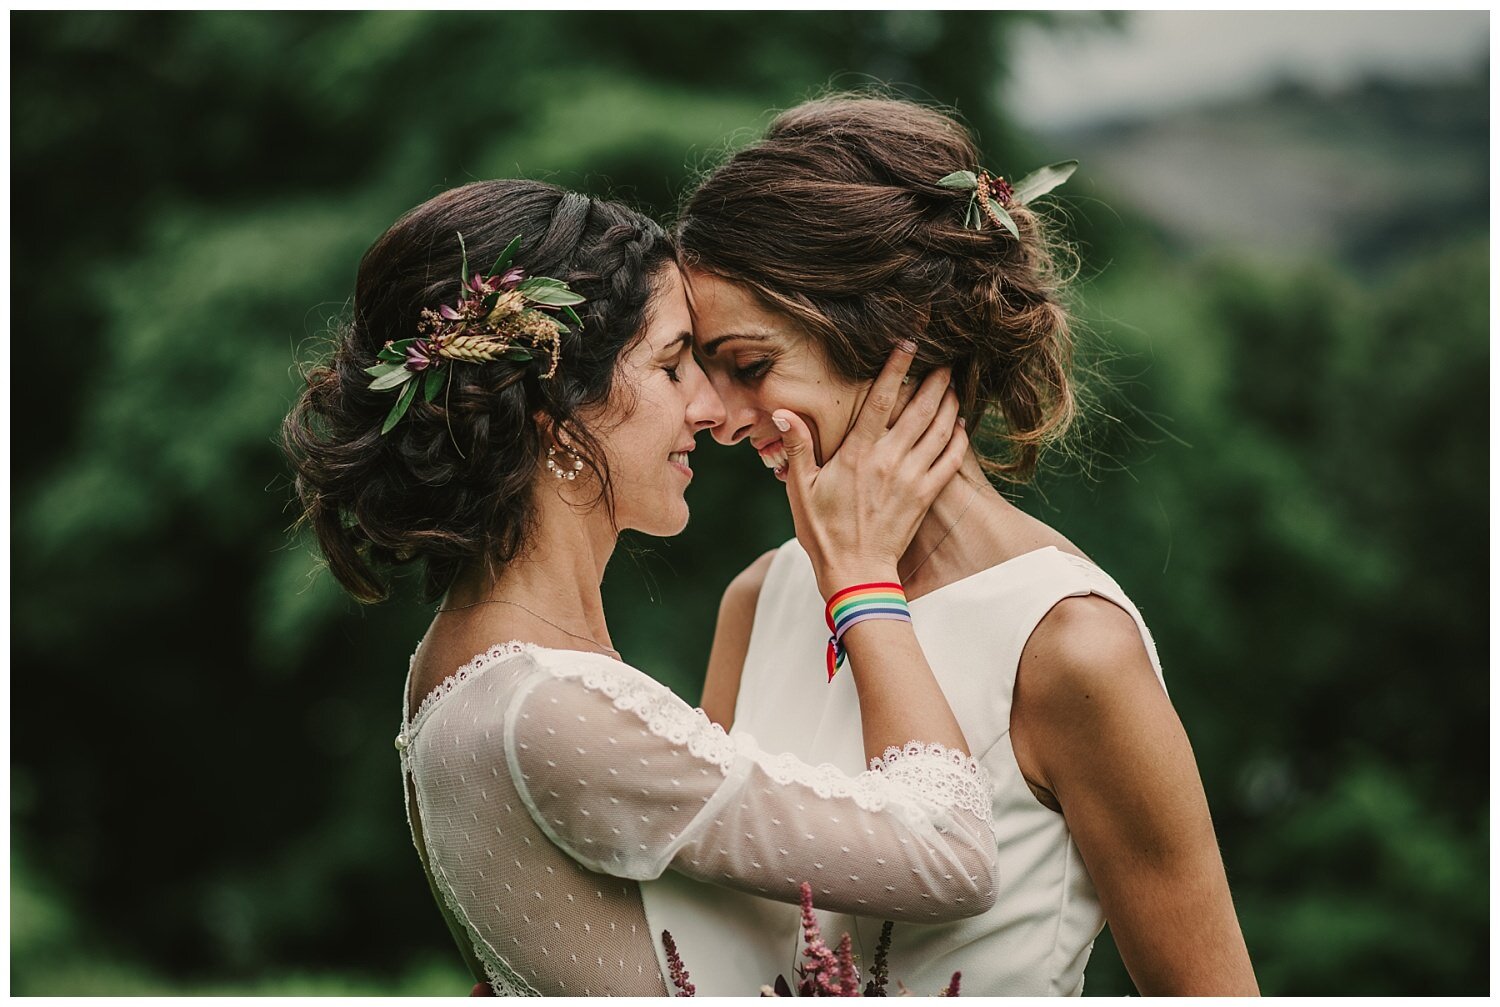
[(848, 974), (826, 972), (820, 976), (880, 967), (674, 963)]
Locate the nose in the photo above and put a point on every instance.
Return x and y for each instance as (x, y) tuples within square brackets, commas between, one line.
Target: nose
[(739, 413), (705, 407)]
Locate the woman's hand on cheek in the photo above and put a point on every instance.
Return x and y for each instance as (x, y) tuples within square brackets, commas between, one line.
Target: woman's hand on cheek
[(856, 514)]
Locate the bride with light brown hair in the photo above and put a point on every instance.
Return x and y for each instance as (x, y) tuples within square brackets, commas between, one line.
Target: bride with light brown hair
[(853, 223)]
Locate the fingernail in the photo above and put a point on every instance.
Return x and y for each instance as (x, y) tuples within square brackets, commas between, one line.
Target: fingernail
[(781, 424), (907, 345), (962, 422)]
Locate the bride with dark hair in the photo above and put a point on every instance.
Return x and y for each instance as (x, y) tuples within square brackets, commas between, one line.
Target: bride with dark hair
[(498, 426), (856, 222)]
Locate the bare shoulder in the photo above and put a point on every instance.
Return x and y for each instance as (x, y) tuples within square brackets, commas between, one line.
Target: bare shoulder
[(1084, 681), (744, 590), (1083, 648), (1086, 632)]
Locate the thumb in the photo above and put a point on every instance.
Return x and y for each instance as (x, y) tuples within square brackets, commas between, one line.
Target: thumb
[(796, 441)]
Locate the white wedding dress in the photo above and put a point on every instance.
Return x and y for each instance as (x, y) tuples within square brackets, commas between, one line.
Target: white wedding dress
[(549, 783), (1036, 938)]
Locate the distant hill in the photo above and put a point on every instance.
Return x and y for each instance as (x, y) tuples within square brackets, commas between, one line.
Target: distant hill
[(1366, 175)]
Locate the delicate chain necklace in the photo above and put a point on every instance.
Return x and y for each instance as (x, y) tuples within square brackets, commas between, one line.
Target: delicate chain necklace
[(502, 601), (913, 571)]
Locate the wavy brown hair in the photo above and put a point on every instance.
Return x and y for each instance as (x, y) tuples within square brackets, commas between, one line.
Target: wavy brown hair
[(835, 218), (451, 483)]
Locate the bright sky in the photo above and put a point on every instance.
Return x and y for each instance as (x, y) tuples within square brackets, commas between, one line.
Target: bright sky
[(1160, 60)]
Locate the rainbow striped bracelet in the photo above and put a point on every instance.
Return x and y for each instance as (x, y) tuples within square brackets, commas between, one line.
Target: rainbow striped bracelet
[(857, 604)]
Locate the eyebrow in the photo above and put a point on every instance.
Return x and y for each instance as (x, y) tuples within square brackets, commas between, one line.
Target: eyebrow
[(711, 347), (675, 346)]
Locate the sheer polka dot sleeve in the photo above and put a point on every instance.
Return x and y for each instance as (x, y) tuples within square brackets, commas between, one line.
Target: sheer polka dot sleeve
[(628, 780)]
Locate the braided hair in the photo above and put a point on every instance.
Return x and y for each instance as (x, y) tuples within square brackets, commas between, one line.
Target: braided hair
[(451, 484)]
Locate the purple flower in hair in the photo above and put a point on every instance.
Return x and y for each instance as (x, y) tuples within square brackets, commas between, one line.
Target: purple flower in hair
[(420, 355), (512, 278)]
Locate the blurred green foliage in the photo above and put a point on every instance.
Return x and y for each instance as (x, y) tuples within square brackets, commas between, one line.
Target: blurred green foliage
[(1285, 467)]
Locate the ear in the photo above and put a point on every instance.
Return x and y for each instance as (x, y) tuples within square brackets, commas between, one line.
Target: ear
[(547, 426)]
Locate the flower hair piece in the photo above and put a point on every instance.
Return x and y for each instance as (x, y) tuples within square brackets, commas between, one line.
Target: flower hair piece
[(502, 314), (993, 194)]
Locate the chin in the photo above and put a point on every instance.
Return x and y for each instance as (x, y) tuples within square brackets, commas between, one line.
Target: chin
[(669, 521), (679, 520)]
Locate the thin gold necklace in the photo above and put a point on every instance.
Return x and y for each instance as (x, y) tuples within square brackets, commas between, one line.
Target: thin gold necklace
[(501, 601), (913, 572)]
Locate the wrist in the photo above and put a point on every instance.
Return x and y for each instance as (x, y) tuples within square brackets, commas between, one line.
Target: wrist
[(847, 575), (858, 604)]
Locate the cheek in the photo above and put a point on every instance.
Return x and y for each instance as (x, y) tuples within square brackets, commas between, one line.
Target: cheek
[(813, 399), (828, 408)]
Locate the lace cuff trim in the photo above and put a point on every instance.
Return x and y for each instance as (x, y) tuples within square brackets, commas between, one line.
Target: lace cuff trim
[(928, 777), (941, 774)]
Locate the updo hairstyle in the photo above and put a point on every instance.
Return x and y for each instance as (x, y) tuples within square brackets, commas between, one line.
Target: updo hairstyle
[(835, 218), (451, 482)]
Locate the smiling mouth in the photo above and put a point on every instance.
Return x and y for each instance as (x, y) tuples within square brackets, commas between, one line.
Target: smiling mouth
[(773, 456)]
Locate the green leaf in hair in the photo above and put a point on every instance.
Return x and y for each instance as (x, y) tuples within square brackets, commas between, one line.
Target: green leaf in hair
[(959, 180), (391, 379), (997, 212), (1042, 181), (433, 383), (506, 256), (399, 409), (552, 297), (972, 219)]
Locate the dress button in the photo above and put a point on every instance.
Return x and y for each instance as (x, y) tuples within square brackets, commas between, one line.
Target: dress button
[(400, 742)]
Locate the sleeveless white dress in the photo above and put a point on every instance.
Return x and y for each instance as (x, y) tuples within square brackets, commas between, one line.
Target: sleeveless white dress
[(548, 783), (1036, 939)]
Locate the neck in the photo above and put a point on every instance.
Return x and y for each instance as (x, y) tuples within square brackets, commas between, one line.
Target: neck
[(558, 575), (928, 562)]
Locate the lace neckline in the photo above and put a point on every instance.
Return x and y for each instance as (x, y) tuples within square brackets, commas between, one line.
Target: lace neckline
[(480, 662)]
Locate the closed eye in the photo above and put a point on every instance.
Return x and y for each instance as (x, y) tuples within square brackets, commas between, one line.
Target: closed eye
[(752, 371)]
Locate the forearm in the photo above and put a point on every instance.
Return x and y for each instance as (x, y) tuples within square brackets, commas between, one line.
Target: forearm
[(1186, 942), (726, 662), (899, 698)]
